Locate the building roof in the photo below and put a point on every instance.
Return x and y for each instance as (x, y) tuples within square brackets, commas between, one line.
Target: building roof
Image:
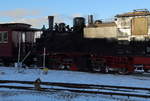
[(12, 25), (104, 24), (18, 27), (139, 12)]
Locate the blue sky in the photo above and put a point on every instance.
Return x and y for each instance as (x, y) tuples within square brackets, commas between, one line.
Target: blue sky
[(35, 12)]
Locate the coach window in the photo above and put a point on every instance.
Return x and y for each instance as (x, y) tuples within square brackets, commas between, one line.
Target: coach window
[(3, 37)]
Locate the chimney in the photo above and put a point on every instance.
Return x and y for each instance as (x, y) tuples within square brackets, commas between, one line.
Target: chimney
[(51, 22), (90, 19)]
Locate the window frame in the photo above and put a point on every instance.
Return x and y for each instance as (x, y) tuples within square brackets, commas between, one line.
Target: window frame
[(2, 35)]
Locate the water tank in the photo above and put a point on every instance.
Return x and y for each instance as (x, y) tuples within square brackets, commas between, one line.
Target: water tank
[(79, 22)]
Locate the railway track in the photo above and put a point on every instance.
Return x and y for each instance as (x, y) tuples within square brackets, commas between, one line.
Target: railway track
[(79, 88)]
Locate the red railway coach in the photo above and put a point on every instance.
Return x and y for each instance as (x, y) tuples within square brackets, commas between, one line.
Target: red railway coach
[(99, 63), (120, 64), (10, 36), (127, 64), (142, 63)]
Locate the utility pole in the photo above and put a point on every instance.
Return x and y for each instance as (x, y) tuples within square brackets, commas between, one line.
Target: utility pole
[(19, 47), (44, 54)]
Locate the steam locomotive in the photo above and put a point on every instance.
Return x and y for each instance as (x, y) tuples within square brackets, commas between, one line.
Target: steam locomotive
[(121, 46)]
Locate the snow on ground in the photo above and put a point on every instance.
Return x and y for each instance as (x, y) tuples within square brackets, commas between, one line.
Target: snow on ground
[(23, 95), (11, 73), (76, 77)]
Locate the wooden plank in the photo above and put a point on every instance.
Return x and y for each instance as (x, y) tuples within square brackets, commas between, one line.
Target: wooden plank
[(139, 26)]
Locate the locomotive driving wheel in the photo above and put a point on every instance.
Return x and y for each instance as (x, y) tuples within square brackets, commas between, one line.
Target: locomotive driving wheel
[(123, 71)]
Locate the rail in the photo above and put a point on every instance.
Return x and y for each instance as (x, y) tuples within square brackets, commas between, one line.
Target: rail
[(81, 88)]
